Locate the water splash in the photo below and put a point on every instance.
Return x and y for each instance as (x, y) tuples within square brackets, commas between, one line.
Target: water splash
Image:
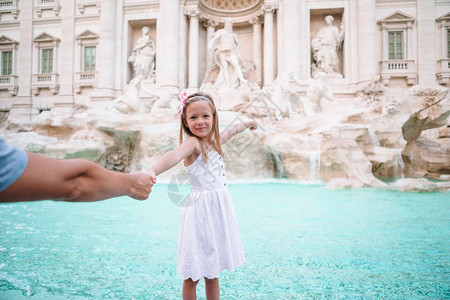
[(314, 164), (278, 169), (398, 166), (373, 137)]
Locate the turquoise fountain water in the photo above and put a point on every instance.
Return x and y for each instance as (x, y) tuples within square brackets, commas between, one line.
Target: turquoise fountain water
[(301, 242)]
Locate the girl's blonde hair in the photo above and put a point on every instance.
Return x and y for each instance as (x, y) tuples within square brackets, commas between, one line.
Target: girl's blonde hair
[(185, 131)]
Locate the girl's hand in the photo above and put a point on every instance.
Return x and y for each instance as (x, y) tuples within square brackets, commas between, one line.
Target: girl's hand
[(152, 176), (252, 125)]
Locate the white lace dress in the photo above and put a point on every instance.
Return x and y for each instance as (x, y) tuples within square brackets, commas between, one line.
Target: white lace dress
[(208, 239)]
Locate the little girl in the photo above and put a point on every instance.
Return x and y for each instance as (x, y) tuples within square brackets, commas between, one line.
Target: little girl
[(208, 238)]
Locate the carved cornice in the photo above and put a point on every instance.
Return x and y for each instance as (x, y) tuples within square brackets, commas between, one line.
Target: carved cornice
[(209, 22), (192, 12), (256, 19), (270, 7)]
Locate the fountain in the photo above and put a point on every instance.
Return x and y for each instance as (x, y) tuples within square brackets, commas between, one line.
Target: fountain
[(306, 133)]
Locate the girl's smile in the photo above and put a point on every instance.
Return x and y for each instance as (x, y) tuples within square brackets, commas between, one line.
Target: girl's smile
[(199, 118)]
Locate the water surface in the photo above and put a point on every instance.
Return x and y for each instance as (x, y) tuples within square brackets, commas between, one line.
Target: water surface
[(301, 242)]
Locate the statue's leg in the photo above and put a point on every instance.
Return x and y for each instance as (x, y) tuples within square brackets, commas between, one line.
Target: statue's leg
[(235, 63), (224, 69)]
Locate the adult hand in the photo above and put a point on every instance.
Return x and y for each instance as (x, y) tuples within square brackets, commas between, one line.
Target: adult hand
[(141, 185)]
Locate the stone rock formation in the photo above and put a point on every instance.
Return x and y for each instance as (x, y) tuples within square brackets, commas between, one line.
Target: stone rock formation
[(422, 156), (348, 145)]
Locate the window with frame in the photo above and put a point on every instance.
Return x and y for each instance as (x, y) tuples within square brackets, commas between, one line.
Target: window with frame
[(89, 58), (7, 62), (47, 61), (395, 45)]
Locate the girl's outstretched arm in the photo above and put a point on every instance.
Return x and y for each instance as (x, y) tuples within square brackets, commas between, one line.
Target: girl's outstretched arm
[(234, 129), (172, 158)]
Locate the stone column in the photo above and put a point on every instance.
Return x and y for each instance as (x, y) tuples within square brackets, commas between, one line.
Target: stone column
[(291, 32), (426, 56), (367, 31), (106, 53), (210, 25), (65, 100), (168, 28), (183, 60), (193, 48), (304, 57), (256, 21), (385, 38), (268, 44), (21, 109), (279, 48)]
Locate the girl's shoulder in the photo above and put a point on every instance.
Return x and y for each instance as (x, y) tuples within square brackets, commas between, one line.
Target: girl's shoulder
[(194, 144), (194, 148), (192, 141)]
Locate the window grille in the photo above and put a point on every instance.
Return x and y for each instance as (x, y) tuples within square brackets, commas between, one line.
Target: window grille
[(395, 45), (89, 58), (47, 61), (6, 62)]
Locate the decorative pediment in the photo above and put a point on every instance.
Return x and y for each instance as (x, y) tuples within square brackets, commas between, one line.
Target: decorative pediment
[(4, 40), (87, 35), (45, 37), (444, 18), (398, 17)]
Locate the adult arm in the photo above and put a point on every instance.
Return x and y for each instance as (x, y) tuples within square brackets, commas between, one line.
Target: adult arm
[(234, 129), (75, 180)]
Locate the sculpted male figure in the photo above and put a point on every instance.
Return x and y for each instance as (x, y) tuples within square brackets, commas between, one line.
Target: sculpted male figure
[(325, 46), (224, 43)]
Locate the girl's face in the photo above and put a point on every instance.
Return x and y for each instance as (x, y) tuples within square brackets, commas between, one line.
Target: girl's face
[(199, 119)]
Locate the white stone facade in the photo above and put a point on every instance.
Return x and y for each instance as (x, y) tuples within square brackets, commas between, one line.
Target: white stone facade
[(275, 36)]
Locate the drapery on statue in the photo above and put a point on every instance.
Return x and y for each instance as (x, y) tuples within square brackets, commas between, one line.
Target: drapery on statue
[(224, 43), (325, 47), (143, 55)]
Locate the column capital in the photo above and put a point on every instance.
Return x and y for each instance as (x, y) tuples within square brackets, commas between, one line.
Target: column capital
[(256, 20), (210, 23), (269, 7), (192, 12)]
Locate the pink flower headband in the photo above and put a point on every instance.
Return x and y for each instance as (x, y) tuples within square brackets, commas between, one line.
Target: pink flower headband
[(183, 98)]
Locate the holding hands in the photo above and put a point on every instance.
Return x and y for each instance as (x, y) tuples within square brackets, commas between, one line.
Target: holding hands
[(141, 185)]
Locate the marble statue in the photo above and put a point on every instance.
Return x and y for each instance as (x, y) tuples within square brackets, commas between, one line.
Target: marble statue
[(143, 55), (224, 43), (129, 102), (283, 95), (317, 90), (230, 78), (259, 104), (325, 47)]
